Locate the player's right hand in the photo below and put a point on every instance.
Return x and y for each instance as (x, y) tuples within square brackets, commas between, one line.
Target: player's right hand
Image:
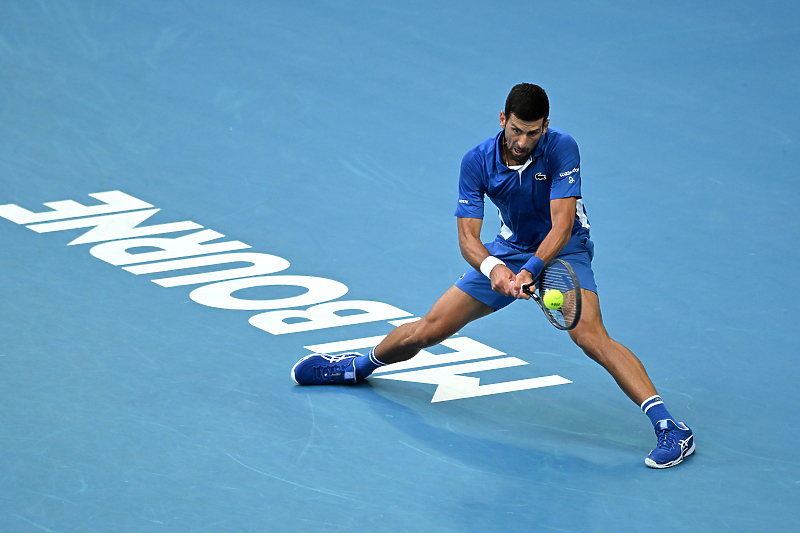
[(504, 281)]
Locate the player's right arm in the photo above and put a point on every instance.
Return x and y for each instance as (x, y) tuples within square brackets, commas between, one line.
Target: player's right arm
[(474, 252), (469, 212)]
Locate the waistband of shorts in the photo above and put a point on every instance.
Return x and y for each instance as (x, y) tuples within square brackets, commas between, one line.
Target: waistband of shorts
[(572, 245)]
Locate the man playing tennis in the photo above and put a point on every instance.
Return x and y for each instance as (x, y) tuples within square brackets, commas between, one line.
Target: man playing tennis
[(531, 172)]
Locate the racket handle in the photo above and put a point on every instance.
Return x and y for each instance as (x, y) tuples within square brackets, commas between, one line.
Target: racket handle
[(526, 288)]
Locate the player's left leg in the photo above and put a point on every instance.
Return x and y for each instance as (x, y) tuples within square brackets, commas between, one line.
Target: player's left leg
[(675, 440), (591, 336)]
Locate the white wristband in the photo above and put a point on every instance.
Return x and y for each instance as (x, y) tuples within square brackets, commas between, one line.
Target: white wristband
[(488, 264)]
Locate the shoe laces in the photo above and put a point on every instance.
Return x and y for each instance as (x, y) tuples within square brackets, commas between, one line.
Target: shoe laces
[(666, 438), (336, 358)]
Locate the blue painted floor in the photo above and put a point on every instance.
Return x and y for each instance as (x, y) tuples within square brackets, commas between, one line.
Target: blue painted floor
[(325, 138)]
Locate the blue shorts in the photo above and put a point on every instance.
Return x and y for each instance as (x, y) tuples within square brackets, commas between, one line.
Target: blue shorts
[(578, 252)]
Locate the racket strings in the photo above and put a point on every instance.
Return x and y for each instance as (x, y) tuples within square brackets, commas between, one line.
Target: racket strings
[(557, 277)]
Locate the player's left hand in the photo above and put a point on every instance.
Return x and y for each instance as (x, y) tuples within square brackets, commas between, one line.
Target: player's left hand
[(524, 277)]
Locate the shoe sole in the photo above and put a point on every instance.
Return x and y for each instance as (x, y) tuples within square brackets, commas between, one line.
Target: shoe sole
[(652, 464)]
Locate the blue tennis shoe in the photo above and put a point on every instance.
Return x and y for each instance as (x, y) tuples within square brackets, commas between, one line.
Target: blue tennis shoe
[(675, 442), (324, 369)]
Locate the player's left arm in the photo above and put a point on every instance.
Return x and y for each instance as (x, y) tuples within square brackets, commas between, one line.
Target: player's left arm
[(562, 214)]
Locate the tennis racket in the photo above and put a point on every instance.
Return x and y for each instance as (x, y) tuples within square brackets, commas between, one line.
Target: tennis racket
[(558, 274)]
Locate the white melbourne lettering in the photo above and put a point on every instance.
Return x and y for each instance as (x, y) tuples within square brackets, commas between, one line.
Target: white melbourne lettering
[(113, 202), (116, 252), (325, 316), (114, 224), (220, 294), (259, 264), (463, 201), (451, 384)]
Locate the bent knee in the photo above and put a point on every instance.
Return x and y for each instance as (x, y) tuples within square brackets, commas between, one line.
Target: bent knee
[(587, 343), (428, 333), (590, 340)]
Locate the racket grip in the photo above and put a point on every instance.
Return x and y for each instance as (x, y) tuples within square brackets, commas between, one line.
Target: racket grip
[(526, 288)]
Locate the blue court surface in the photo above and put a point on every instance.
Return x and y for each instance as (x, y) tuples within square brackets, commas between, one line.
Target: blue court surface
[(195, 195)]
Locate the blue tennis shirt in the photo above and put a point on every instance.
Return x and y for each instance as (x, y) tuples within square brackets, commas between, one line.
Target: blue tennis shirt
[(523, 196)]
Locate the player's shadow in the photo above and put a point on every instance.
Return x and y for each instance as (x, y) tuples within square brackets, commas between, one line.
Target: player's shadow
[(497, 434)]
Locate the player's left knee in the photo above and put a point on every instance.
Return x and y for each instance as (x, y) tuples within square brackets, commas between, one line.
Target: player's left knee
[(588, 338), (584, 342)]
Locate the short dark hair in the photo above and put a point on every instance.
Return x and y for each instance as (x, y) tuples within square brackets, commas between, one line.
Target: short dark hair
[(527, 102)]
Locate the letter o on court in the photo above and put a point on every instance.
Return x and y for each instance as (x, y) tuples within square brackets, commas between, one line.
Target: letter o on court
[(220, 294)]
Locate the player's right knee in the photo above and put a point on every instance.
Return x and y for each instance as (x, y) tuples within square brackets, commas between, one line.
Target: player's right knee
[(427, 334)]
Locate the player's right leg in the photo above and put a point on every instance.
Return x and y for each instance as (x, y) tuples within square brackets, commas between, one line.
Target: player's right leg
[(454, 310)]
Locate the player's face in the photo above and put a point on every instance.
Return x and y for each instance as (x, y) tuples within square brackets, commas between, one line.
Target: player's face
[(521, 137)]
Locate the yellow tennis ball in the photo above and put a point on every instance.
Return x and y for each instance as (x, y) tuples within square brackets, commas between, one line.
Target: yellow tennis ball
[(553, 298)]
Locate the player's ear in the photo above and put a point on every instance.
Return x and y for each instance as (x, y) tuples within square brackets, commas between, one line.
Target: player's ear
[(502, 119), (546, 124)]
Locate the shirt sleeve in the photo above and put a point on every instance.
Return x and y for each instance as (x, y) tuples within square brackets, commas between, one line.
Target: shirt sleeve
[(565, 167), (470, 187)]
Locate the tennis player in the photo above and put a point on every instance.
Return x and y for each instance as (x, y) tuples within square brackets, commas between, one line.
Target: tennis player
[(531, 173)]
